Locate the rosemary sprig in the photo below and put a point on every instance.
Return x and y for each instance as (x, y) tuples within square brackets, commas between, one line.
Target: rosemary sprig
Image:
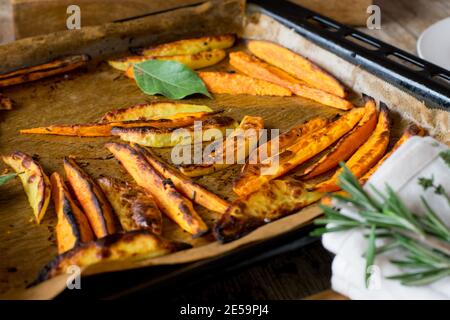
[(424, 239), (445, 155), (427, 183)]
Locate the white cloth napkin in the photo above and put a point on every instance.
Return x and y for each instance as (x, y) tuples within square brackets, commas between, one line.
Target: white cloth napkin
[(417, 157)]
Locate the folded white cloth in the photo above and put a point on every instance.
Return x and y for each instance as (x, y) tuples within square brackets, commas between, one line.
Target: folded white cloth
[(418, 157)]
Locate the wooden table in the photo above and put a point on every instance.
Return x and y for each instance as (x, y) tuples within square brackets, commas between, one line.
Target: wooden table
[(306, 272)]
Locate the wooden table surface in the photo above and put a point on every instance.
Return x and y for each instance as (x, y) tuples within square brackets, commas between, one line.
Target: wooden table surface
[(305, 272)]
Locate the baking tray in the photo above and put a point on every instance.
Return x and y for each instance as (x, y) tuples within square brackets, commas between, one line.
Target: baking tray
[(334, 38), (423, 80)]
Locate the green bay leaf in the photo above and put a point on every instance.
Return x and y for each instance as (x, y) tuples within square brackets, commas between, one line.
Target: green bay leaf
[(170, 78)]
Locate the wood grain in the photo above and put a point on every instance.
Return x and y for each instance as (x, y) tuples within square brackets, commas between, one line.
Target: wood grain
[(291, 276), (351, 12), (402, 21), (35, 17), (50, 15)]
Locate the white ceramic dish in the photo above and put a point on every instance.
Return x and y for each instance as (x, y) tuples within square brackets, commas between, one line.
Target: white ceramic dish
[(434, 44)]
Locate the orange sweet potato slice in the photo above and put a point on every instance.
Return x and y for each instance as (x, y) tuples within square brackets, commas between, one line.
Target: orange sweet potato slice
[(301, 151), (258, 69), (348, 144), (91, 199), (298, 66), (168, 199), (73, 226), (366, 156), (233, 83)]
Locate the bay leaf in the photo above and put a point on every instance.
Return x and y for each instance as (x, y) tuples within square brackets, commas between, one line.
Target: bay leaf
[(170, 78)]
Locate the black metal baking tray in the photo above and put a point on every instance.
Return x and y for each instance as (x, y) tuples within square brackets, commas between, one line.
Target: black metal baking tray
[(427, 82)]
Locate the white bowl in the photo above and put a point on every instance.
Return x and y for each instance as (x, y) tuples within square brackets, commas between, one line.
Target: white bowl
[(434, 44)]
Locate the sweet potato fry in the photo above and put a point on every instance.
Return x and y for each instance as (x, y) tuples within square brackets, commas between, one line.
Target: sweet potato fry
[(156, 111), (92, 200), (169, 137), (168, 199), (43, 71), (135, 208), (190, 46), (304, 149), (272, 201), (412, 130), (298, 66), (286, 139), (138, 244), (233, 150), (104, 129), (185, 185), (233, 83), (73, 226), (194, 61), (34, 180), (258, 69), (366, 156), (346, 146), (5, 102), (76, 130)]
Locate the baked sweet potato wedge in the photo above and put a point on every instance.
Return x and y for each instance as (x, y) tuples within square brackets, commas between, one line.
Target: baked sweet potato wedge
[(156, 111), (190, 46), (55, 67), (193, 191), (258, 69), (194, 61), (135, 208), (412, 130), (233, 150), (366, 156), (169, 137), (73, 226), (348, 144), (5, 102), (104, 129), (304, 149), (298, 66), (272, 201), (138, 244), (286, 139), (168, 199), (91, 199), (34, 180), (233, 83)]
